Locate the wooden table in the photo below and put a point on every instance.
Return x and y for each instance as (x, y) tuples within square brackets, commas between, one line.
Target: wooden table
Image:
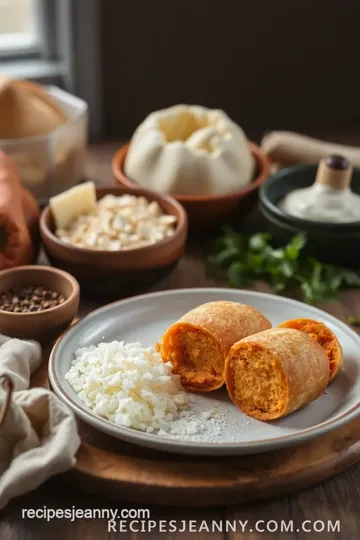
[(337, 499)]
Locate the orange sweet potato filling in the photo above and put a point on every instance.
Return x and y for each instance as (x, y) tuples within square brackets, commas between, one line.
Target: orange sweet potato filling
[(255, 383), (196, 357), (323, 335)]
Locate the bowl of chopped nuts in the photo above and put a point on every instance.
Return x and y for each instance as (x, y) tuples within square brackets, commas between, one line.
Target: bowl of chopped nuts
[(37, 302), (116, 241)]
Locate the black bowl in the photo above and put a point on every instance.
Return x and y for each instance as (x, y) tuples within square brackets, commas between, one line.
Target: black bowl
[(332, 243)]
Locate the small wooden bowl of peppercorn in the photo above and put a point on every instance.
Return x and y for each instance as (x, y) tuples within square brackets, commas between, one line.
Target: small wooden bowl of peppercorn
[(37, 302)]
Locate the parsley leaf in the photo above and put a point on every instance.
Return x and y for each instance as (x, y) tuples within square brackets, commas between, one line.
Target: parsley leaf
[(247, 259), (354, 321)]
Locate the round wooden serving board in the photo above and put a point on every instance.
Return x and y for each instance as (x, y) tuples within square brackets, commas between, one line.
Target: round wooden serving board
[(108, 467)]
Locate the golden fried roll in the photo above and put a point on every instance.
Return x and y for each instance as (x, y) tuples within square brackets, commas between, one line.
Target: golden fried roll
[(327, 339), (198, 343), (274, 373)]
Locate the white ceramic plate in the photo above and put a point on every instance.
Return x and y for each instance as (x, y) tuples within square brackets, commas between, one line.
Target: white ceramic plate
[(145, 318)]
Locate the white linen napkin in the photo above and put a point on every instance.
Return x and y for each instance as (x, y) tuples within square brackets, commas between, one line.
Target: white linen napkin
[(38, 433)]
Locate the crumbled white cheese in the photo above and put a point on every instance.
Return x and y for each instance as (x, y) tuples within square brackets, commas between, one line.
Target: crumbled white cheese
[(128, 384), (119, 223)]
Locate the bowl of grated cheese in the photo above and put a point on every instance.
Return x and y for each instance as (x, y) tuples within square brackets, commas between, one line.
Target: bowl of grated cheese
[(126, 242)]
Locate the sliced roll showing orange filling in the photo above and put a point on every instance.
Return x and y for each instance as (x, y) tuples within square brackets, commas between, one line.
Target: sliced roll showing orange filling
[(325, 337), (272, 374), (198, 343)]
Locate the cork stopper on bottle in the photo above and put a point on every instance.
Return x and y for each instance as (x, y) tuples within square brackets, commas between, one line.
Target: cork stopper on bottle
[(334, 171)]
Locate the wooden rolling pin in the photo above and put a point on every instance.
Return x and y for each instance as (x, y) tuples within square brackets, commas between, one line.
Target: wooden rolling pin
[(285, 148)]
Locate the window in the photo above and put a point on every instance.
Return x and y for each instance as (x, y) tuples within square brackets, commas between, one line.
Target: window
[(52, 42), (19, 27)]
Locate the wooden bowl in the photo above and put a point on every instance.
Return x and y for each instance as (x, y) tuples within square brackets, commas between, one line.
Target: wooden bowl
[(119, 273), (332, 243), (205, 212), (43, 326)]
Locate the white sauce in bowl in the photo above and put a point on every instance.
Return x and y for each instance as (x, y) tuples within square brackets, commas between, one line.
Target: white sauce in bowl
[(322, 203)]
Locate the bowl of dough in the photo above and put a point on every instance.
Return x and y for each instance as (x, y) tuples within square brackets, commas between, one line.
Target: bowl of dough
[(198, 156), (44, 130)]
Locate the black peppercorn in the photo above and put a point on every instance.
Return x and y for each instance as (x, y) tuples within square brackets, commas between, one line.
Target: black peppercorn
[(30, 300)]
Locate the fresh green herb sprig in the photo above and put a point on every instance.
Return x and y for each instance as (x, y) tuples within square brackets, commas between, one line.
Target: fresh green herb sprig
[(246, 259)]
